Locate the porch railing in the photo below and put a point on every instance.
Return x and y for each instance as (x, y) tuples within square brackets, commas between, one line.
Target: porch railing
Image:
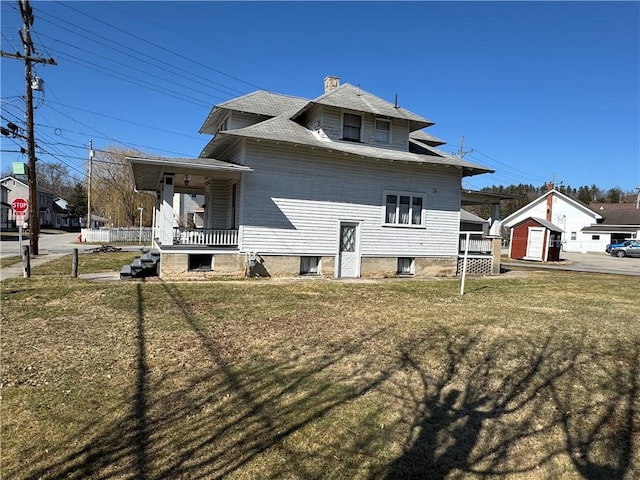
[(476, 245), (205, 236)]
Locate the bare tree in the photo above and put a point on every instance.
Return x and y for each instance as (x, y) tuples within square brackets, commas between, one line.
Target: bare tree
[(112, 193)]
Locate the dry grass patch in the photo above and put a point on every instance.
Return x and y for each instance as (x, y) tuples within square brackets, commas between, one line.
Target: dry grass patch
[(88, 262), (528, 377)]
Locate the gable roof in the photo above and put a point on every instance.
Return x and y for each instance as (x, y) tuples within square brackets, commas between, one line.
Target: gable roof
[(39, 188), (259, 103), (578, 205), (353, 98), (542, 221), (281, 129)]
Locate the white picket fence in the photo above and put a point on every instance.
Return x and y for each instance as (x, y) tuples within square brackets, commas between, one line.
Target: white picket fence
[(116, 235)]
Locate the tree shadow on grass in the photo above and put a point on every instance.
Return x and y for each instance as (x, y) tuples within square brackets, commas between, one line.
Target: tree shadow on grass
[(506, 414), (466, 404), (216, 420)]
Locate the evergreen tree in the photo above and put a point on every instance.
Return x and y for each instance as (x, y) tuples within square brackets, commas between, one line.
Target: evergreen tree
[(77, 201)]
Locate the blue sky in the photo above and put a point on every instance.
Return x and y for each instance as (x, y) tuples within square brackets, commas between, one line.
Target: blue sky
[(539, 90)]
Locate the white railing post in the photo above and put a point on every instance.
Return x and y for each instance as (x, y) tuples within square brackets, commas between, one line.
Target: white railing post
[(464, 263)]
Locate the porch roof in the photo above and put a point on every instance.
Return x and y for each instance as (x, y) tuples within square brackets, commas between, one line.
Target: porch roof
[(147, 172)]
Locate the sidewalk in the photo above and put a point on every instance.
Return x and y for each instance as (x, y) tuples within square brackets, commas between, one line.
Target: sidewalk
[(16, 270)]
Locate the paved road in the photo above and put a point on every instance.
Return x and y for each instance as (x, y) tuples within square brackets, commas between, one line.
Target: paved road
[(585, 262), (50, 246)]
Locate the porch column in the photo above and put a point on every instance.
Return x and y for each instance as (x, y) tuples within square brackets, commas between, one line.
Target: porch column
[(495, 234), (165, 234), (208, 206)]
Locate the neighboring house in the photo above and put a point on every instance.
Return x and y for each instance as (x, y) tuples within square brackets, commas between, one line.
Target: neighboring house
[(62, 217), (568, 215), (535, 239), (345, 185), (620, 221), (5, 208), (96, 221), (44, 198)]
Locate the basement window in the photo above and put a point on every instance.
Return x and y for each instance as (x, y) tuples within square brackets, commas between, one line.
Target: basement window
[(200, 262), (405, 265), (309, 265)]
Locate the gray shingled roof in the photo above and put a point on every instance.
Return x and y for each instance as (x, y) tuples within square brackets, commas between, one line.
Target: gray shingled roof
[(620, 217), (424, 137), (546, 223), (353, 98), (466, 216), (259, 102), (282, 129)]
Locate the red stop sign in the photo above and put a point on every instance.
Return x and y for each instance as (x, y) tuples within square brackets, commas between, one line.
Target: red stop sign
[(19, 205)]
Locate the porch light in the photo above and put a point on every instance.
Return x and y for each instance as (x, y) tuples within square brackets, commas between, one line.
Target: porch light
[(186, 180)]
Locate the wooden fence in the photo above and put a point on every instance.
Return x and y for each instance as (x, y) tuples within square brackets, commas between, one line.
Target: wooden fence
[(116, 235)]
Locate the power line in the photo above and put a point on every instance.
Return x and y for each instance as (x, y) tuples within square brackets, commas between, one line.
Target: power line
[(140, 57), (164, 49)]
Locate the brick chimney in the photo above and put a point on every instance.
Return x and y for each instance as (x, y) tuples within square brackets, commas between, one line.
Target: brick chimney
[(331, 83)]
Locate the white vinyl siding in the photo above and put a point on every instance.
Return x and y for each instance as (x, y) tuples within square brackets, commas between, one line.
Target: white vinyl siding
[(309, 193), (329, 120), (220, 204)]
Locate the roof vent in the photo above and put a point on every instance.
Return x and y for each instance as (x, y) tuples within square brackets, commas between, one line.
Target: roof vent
[(331, 83)]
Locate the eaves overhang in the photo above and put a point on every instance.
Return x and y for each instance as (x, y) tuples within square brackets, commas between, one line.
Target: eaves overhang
[(147, 172)]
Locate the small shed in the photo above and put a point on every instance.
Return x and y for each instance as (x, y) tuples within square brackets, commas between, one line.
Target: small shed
[(535, 239)]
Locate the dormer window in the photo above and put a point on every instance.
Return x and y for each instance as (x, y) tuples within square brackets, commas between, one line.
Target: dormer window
[(351, 127), (383, 131)]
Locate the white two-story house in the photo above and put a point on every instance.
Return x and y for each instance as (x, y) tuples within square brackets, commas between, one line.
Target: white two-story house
[(344, 185)]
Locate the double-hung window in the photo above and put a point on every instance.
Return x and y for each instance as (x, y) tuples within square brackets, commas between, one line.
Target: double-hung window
[(351, 127), (403, 209), (383, 131)]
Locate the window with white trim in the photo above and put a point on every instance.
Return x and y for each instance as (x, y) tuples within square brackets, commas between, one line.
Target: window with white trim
[(351, 127), (573, 235), (403, 209), (383, 131)]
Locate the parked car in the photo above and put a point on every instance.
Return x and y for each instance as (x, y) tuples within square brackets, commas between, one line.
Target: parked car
[(631, 250), (611, 246)]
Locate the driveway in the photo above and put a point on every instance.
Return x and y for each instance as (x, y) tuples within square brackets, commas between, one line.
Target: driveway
[(584, 262)]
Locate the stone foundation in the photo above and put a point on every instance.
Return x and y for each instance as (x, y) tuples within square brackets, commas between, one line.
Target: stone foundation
[(380, 267), (175, 266)]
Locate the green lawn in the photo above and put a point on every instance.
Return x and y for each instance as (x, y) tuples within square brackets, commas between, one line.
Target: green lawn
[(530, 375)]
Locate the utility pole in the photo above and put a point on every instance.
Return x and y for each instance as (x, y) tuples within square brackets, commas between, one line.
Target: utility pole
[(461, 152), (29, 59), (89, 185)]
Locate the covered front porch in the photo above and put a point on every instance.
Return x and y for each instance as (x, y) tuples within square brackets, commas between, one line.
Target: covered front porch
[(195, 201)]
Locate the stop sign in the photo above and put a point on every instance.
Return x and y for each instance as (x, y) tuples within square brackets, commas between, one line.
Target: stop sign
[(20, 205)]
